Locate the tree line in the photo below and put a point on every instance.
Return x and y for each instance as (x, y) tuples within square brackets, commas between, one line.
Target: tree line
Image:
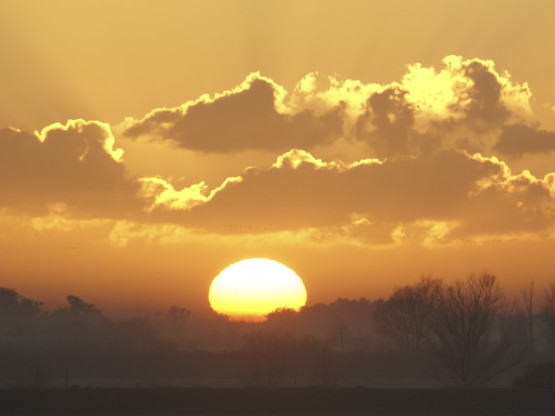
[(466, 332), (26, 326)]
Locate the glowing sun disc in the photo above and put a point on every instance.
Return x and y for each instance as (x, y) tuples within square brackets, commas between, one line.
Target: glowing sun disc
[(252, 288)]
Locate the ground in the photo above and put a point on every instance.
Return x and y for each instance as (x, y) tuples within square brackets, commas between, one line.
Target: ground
[(285, 401)]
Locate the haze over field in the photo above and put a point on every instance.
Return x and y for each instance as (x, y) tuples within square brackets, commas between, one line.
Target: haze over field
[(146, 146)]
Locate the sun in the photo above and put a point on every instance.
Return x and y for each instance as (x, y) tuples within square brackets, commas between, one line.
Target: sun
[(250, 289)]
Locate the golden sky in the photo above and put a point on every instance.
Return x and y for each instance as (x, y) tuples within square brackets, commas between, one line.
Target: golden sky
[(145, 146)]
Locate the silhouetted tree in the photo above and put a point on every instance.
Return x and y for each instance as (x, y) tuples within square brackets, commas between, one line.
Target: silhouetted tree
[(540, 375), (15, 308), (78, 311), (79, 326), (528, 300), (19, 319), (269, 357), (81, 309), (171, 324), (474, 338), (281, 319), (39, 375), (548, 314), (281, 358), (148, 331), (345, 324), (178, 315), (403, 318), (322, 359)]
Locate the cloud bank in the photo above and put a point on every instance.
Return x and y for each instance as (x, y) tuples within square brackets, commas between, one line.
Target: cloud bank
[(432, 165), (474, 195), (465, 105)]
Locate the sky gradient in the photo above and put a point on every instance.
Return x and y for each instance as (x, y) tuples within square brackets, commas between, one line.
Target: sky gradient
[(146, 146)]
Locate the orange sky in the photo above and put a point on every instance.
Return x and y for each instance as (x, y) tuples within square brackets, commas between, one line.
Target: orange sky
[(144, 146)]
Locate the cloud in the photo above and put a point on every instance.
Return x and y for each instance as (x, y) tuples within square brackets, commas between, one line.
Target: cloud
[(73, 164), (251, 116), (423, 163), (59, 219), (162, 193), (124, 233), (451, 194), (464, 105), (518, 140), (388, 124), (469, 90)]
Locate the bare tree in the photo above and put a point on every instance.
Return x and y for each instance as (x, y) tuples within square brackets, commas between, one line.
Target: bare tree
[(178, 316), (474, 335), (528, 300), (548, 314), (403, 317), (269, 358), (322, 362), (171, 325)]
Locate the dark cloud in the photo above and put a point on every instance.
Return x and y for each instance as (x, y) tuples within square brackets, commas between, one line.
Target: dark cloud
[(518, 140), (388, 124), (74, 165), (485, 107), (240, 120), (462, 107)]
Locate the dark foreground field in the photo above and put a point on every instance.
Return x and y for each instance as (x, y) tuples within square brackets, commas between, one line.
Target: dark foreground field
[(291, 401)]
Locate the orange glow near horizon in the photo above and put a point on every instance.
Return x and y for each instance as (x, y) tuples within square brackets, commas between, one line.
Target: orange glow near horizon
[(250, 289)]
